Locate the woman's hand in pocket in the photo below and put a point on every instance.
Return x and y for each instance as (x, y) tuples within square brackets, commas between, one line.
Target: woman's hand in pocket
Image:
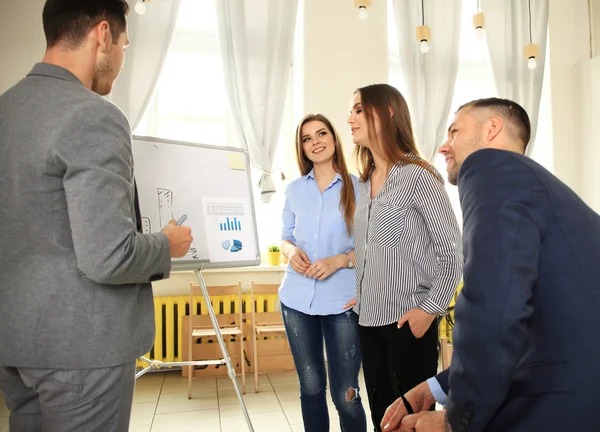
[(418, 320), (350, 304)]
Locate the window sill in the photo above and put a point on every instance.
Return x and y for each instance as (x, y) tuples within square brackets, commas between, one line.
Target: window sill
[(251, 269)]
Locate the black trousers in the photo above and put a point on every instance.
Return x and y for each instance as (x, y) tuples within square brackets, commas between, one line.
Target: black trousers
[(395, 361)]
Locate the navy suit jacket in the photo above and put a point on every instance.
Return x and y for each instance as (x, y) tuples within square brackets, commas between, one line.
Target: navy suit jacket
[(526, 341)]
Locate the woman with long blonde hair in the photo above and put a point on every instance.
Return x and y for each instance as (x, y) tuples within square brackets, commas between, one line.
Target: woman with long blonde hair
[(318, 239)]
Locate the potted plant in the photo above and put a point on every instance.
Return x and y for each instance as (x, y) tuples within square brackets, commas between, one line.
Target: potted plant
[(274, 255)]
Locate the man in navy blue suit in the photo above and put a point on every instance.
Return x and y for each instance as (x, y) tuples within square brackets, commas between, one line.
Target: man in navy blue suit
[(526, 347)]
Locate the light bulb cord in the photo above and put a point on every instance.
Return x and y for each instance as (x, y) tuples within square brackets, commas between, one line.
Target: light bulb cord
[(530, 38)]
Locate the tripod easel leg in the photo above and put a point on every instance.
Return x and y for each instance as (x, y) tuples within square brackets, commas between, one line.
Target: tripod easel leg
[(155, 364), (226, 358)]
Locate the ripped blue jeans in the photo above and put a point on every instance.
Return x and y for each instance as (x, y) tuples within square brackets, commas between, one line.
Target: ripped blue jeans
[(305, 334)]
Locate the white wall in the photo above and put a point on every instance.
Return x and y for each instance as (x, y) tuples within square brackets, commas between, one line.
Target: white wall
[(22, 41), (587, 76), (341, 53), (575, 97), (569, 45), (595, 4)]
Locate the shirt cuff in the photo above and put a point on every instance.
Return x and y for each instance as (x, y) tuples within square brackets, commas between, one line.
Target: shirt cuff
[(432, 308), (436, 391)]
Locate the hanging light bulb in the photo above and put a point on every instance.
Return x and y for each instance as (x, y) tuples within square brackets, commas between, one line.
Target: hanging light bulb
[(423, 37), (363, 6), (423, 32), (532, 53), (532, 63), (140, 7), (479, 24), (362, 13)]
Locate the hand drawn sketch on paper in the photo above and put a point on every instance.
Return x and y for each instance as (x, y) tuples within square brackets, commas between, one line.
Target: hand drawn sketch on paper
[(165, 206)]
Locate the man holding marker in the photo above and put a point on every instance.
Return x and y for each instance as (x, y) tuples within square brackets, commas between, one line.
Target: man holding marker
[(181, 220), (76, 305)]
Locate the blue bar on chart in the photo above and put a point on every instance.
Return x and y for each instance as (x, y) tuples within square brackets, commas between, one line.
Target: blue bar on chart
[(231, 225)]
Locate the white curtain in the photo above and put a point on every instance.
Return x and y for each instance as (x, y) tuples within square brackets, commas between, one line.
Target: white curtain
[(429, 78), (507, 34), (257, 38), (150, 36)]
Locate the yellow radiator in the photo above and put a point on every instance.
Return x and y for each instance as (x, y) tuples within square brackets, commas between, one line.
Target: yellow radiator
[(168, 313)]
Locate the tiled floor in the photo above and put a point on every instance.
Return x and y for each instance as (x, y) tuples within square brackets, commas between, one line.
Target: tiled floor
[(160, 404)]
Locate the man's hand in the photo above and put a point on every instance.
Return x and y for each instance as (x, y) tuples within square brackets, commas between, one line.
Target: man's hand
[(180, 238), (298, 259), (418, 320), (325, 267), (427, 421), (419, 398)]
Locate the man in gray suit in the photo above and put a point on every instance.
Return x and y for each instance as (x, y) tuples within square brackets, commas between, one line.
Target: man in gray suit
[(76, 303)]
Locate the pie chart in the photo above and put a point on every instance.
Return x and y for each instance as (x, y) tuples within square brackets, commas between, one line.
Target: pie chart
[(232, 245)]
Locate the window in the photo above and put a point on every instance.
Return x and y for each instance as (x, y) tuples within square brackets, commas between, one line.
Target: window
[(190, 101), (190, 104), (474, 81)]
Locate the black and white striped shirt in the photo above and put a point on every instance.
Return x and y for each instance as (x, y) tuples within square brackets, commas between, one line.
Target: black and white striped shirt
[(408, 247)]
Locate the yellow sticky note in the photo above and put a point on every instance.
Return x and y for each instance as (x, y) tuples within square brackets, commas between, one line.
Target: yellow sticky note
[(237, 161)]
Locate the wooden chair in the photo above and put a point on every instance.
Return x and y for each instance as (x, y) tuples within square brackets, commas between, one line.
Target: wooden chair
[(200, 326), (446, 351), (263, 323)]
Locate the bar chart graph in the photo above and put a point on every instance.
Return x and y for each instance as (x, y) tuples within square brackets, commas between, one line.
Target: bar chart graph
[(230, 225), (229, 229)]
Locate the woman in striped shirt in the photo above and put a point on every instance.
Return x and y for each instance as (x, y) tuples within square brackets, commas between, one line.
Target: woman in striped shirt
[(408, 253), (318, 238)]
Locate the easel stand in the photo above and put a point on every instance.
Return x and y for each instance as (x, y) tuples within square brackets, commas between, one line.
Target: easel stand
[(226, 360)]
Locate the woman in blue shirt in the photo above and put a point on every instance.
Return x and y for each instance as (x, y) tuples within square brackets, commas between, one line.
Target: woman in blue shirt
[(318, 239)]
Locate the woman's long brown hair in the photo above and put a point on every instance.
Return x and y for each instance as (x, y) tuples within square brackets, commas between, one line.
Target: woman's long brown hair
[(347, 199), (396, 143)]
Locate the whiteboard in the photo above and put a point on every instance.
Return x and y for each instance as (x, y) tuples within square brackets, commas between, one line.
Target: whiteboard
[(210, 185)]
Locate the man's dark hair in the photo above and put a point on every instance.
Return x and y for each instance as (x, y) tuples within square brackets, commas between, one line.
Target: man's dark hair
[(69, 21), (513, 114)]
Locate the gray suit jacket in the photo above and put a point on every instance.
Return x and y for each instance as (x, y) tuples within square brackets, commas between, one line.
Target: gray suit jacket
[(74, 271)]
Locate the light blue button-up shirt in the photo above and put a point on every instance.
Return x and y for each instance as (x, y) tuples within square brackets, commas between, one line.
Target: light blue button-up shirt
[(314, 222), (436, 390)]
